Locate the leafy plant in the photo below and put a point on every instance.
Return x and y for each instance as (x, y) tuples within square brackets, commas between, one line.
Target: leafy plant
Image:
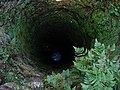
[(8, 69), (60, 81), (97, 71), (5, 54)]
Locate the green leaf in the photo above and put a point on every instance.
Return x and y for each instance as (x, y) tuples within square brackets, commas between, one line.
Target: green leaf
[(74, 88), (108, 88), (97, 44), (112, 48), (84, 87), (66, 73)]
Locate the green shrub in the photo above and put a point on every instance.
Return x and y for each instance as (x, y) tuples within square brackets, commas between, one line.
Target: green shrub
[(99, 68), (60, 81)]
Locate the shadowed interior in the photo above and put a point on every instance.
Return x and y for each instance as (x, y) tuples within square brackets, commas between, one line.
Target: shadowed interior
[(49, 33), (55, 41)]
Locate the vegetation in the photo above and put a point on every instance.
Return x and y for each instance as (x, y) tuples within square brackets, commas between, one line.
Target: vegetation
[(97, 70)]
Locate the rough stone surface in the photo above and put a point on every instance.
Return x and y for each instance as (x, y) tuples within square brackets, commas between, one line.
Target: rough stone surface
[(26, 86), (30, 77), (4, 38)]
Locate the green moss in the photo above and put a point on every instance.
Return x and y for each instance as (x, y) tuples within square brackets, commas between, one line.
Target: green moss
[(36, 18)]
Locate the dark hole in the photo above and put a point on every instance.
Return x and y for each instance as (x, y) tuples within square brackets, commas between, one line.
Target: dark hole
[(53, 37), (57, 54), (55, 48)]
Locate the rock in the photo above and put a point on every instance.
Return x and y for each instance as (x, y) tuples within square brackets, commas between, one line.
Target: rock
[(35, 85), (1, 62), (7, 86), (0, 80), (31, 79), (4, 38), (2, 31), (28, 71), (1, 36), (25, 86)]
